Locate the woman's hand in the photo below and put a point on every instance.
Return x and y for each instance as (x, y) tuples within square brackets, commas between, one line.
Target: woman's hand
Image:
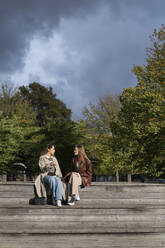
[(52, 164), (63, 179)]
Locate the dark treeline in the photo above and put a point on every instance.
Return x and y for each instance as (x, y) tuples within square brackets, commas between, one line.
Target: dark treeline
[(30, 118), (123, 133)]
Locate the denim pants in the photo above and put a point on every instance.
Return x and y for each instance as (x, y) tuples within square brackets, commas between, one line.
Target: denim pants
[(55, 185)]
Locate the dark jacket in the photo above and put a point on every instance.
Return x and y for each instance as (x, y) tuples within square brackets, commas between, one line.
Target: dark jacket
[(85, 171)]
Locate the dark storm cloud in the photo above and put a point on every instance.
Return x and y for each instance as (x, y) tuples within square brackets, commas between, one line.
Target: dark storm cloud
[(137, 8), (21, 20), (106, 48)]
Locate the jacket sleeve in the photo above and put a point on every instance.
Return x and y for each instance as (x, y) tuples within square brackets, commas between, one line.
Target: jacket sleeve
[(58, 170), (88, 172), (44, 164)]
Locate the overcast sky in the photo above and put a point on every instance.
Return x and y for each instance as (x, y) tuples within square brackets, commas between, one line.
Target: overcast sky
[(82, 48)]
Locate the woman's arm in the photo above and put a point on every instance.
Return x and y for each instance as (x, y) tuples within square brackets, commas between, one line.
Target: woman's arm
[(66, 177), (58, 170), (88, 171)]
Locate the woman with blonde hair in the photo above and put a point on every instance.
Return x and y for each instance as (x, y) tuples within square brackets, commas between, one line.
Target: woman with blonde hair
[(80, 175)]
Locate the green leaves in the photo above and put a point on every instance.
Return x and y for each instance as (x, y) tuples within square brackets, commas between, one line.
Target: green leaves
[(45, 104), (31, 118), (10, 135), (141, 124), (129, 136), (95, 132)]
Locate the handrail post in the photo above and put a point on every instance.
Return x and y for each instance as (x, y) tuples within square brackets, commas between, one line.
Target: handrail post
[(129, 177), (4, 178), (117, 176)]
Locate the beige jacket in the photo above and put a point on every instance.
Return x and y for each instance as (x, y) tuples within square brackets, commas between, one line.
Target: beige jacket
[(44, 164)]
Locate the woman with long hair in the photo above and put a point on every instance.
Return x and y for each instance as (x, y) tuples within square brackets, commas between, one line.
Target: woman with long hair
[(51, 173), (80, 175)]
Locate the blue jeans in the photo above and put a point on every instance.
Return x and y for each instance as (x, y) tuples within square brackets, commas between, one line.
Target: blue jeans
[(55, 185)]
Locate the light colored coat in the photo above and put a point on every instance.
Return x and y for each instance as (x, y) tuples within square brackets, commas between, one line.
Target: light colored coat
[(44, 164)]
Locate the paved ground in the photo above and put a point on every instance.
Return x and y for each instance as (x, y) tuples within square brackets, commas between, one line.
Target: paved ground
[(108, 215)]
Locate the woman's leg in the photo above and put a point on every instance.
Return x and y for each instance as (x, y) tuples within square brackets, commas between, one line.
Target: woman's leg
[(55, 185), (49, 180), (57, 188), (74, 182)]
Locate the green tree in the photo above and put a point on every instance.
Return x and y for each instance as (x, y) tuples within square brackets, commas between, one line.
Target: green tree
[(139, 133), (19, 134), (45, 104), (10, 134), (24, 134), (95, 132), (7, 99), (18, 144)]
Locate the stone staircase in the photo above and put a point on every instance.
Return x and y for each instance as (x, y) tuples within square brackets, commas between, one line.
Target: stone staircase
[(108, 215)]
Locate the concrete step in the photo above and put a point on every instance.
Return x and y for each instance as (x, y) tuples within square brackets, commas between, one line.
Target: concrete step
[(95, 203), (126, 187), (95, 187), (108, 215), (16, 187), (91, 195), (88, 217), (54, 220), (80, 226), (70, 211), (121, 195), (20, 193), (84, 240)]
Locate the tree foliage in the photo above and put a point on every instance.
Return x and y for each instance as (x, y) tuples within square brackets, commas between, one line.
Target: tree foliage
[(45, 104), (10, 133), (95, 132), (139, 134), (29, 122)]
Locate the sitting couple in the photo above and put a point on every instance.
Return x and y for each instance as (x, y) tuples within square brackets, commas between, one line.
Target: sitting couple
[(66, 187)]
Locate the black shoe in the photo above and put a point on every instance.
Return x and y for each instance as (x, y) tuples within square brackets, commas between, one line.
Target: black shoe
[(43, 201), (54, 201), (35, 201), (49, 200)]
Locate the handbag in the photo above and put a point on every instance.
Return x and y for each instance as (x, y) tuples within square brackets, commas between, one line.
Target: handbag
[(52, 171)]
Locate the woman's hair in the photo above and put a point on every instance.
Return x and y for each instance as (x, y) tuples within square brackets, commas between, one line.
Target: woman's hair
[(48, 147), (81, 154)]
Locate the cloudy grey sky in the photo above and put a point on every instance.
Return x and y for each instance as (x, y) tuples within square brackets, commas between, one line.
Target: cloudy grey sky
[(82, 48)]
